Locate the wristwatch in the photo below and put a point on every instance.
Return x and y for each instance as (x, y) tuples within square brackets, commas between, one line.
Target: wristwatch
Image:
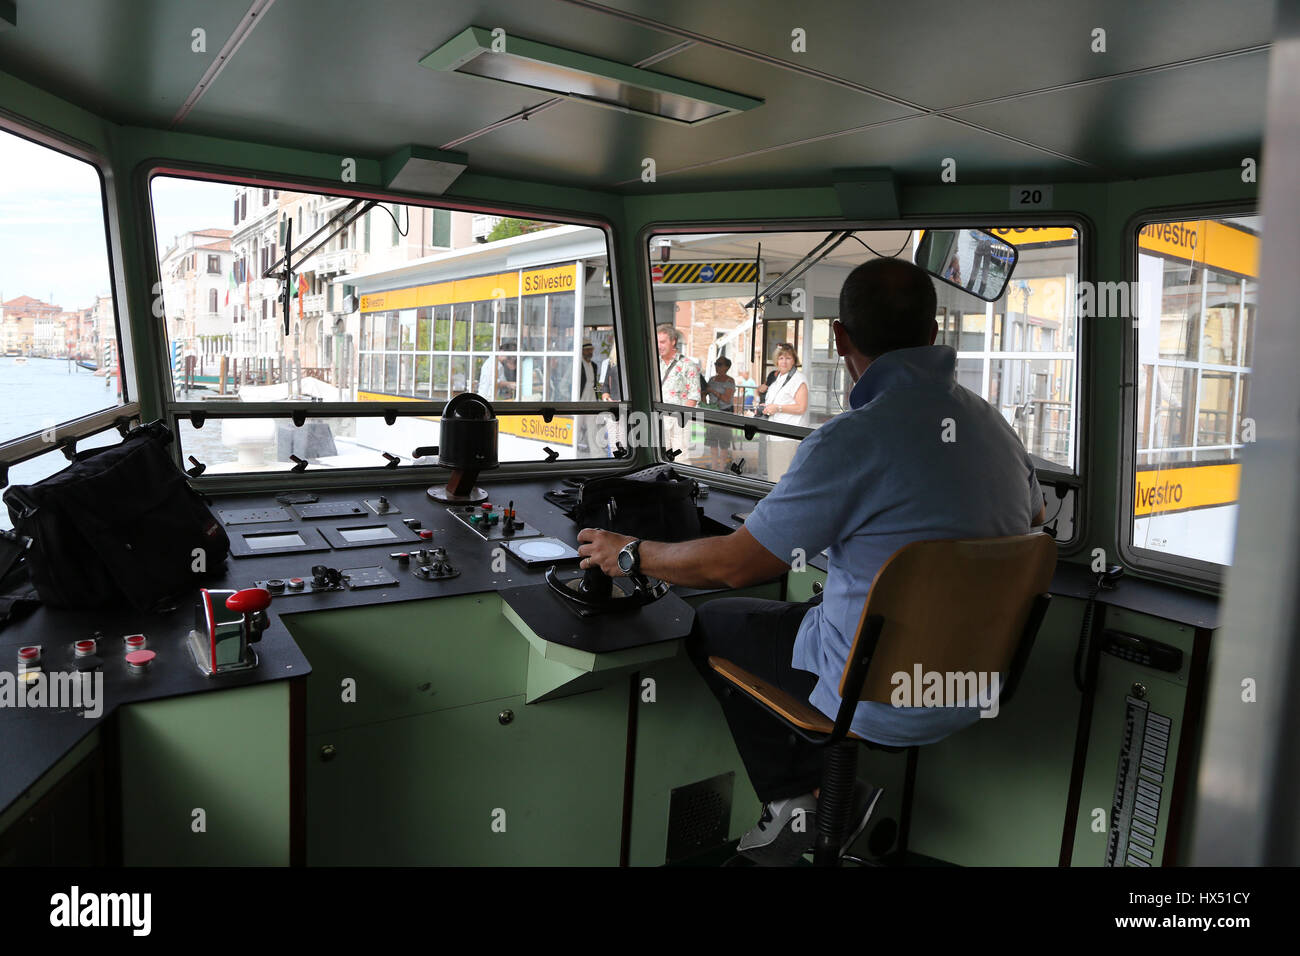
[(629, 559)]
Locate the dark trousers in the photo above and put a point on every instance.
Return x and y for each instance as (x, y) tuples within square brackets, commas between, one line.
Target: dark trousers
[(759, 636)]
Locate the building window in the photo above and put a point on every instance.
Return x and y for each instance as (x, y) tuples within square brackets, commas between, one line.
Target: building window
[(214, 265), (212, 301)]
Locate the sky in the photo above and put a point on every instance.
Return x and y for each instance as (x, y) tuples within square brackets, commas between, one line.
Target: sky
[(52, 239)]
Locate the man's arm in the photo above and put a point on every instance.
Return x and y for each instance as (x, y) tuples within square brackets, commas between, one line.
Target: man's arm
[(735, 560)]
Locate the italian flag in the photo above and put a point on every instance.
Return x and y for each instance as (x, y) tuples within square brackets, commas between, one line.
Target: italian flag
[(230, 285)]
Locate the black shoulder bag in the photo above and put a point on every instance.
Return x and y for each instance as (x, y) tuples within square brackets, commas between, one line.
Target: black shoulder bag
[(118, 523)]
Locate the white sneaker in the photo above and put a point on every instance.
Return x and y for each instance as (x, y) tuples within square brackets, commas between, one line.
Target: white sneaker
[(786, 831)]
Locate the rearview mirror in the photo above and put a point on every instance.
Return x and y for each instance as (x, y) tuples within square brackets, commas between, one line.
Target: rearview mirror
[(972, 260)]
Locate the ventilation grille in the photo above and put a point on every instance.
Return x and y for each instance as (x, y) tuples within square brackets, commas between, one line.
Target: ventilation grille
[(699, 815)]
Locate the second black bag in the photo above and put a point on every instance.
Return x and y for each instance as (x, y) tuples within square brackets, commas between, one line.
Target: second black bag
[(657, 504), (118, 523)]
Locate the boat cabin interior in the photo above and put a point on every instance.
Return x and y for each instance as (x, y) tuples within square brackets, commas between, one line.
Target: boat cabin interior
[(328, 327)]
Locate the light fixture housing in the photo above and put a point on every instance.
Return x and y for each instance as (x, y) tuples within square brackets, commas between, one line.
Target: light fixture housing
[(587, 79), (422, 169)]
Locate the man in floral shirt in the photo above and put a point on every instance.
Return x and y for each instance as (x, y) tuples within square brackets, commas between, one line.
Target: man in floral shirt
[(679, 380)]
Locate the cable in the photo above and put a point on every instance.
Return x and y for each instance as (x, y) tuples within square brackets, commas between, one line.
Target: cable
[(854, 235), (395, 219), (1085, 636)]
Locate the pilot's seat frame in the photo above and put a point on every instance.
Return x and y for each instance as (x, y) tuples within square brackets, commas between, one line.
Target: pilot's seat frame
[(951, 606)]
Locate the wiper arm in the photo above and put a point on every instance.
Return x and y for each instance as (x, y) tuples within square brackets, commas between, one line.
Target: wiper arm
[(816, 255)]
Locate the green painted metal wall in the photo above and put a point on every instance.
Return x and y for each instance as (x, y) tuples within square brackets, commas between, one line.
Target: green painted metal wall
[(225, 754)]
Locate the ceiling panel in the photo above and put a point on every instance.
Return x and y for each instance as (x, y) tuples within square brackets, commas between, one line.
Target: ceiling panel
[(940, 54), (318, 73), (343, 76), (914, 148), (1159, 122), (130, 61), (614, 144)]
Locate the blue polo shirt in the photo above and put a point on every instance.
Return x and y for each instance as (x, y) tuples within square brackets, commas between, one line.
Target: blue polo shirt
[(880, 476)]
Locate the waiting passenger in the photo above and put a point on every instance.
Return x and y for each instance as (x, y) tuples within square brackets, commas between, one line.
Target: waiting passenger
[(590, 435), (916, 457), (610, 389), (719, 394), (787, 403), (679, 383)]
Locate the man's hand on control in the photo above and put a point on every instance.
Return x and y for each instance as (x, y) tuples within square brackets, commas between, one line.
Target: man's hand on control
[(599, 549)]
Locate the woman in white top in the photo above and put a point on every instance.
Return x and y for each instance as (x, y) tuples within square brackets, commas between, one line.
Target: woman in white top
[(786, 402)]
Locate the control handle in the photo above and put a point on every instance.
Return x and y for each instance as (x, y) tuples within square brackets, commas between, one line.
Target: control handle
[(252, 604)]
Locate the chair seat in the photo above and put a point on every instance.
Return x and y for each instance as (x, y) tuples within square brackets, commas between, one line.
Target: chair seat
[(798, 712)]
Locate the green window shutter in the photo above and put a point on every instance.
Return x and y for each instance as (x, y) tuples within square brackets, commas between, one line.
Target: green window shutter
[(442, 227)]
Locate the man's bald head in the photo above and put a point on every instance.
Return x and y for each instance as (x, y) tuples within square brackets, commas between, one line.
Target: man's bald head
[(888, 304)]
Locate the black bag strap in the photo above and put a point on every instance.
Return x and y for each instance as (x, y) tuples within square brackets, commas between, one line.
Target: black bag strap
[(663, 379)]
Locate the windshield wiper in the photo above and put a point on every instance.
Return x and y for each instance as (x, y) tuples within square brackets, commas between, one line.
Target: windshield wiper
[(819, 252)]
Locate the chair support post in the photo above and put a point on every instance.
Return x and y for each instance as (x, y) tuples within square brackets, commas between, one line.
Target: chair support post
[(836, 802)]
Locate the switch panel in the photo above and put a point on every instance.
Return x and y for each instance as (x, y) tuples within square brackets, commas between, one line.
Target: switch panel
[(1141, 783), (234, 516), (492, 523)]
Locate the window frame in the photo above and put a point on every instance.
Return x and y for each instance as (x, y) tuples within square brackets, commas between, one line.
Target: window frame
[(175, 411), (65, 435), (1174, 569), (1048, 473)]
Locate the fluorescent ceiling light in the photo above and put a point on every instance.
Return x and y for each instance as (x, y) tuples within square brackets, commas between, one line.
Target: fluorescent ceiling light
[(589, 79)]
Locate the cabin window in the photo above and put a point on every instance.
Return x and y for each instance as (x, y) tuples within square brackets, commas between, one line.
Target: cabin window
[(1194, 299), (1019, 353), (404, 330), (59, 362)]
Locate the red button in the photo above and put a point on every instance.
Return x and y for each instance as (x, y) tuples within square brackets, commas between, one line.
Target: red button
[(426, 534), (486, 506), (249, 601), (140, 658), (29, 653)]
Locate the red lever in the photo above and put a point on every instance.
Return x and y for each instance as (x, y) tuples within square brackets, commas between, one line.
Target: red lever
[(249, 601)]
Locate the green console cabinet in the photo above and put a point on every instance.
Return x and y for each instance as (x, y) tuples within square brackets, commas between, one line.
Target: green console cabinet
[(496, 783), (205, 778)]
